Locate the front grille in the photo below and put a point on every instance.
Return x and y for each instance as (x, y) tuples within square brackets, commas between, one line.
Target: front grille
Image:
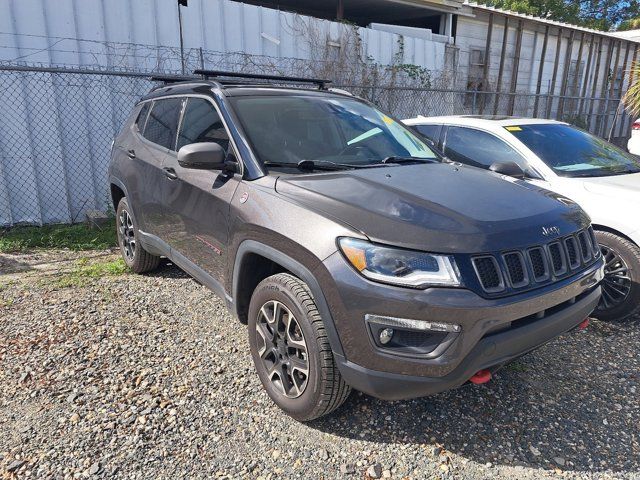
[(572, 252), (537, 264), (516, 269), (558, 261), (594, 243), (585, 246), (488, 272)]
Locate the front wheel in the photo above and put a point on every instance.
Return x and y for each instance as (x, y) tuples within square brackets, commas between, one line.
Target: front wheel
[(291, 351), (621, 284)]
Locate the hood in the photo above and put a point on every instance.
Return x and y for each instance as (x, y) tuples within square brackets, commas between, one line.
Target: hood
[(437, 207), (623, 187)]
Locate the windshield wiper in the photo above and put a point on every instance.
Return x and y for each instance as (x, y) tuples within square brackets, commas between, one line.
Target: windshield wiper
[(399, 160), (310, 165)]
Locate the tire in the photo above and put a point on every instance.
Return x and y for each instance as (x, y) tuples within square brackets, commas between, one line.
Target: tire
[(621, 286), (133, 253), (303, 397)]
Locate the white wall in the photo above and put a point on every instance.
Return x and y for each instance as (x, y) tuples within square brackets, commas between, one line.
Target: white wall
[(55, 130), (144, 34)]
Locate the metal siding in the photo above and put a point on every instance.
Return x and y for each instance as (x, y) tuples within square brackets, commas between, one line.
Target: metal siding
[(58, 128)]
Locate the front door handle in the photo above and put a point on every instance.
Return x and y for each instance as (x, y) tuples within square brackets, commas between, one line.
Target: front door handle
[(131, 153), (170, 173)]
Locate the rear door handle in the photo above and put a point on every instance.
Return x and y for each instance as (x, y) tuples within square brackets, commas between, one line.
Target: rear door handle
[(131, 153), (170, 173)]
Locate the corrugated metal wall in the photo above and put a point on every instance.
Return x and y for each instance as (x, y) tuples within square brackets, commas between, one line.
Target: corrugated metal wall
[(472, 35), (136, 34), (55, 130)]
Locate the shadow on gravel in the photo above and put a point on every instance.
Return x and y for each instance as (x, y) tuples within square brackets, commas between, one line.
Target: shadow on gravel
[(167, 269), (12, 265), (571, 405)]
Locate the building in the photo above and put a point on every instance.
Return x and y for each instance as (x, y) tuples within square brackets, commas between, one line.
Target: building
[(629, 35)]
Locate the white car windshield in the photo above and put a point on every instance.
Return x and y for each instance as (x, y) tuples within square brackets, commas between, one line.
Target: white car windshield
[(325, 131), (572, 152)]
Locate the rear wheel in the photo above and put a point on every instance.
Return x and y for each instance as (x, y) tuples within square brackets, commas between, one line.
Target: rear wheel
[(133, 253), (291, 351), (621, 285)]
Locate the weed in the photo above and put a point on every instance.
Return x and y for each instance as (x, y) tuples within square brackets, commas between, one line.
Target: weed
[(72, 237)]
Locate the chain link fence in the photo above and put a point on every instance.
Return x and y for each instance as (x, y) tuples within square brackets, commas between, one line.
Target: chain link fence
[(57, 125)]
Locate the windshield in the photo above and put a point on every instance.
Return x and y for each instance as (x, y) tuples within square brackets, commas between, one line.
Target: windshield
[(572, 152), (341, 132)]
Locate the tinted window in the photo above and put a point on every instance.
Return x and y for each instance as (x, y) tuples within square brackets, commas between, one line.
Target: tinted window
[(432, 132), (142, 116), (477, 148), (572, 152), (289, 129), (201, 123), (163, 122)]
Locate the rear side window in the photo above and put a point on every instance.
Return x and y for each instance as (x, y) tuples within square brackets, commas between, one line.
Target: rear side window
[(162, 122), (432, 132), (201, 123), (480, 149), (142, 116)]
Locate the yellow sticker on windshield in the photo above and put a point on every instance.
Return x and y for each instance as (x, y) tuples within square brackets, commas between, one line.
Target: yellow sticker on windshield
[(387, 120), (513, 129)]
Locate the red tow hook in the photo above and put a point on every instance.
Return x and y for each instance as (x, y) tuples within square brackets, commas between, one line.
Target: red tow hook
[(480, 377), (583, 324)]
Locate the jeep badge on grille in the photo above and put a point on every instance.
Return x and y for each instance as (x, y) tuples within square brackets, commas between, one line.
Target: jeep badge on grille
[(547, 231)]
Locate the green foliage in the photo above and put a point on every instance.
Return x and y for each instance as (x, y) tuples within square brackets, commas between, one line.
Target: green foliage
[(632, 97), (631, 24), (84, 273), (597, 14), (72, 237)]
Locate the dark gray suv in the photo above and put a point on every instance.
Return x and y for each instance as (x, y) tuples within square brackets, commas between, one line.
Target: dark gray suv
[(356, 254)]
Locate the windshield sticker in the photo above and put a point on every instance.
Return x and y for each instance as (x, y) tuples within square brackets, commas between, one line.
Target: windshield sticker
[(513, 129), (365, 135), (387, 120)]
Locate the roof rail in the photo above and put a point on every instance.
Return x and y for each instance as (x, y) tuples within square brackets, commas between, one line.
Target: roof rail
[(173, 78), (322, 84)]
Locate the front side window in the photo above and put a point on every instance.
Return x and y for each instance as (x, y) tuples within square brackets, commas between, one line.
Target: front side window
[(572, 152), (162, 122), (201, 123), (141, 119), (432, 132), (324, 129), (478, 148)]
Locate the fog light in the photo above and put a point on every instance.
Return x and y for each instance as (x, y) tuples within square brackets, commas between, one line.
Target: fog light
[(413, 324), (386, 335)]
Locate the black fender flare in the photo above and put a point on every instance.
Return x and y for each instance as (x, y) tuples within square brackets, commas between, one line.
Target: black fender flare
[(297, 269), (115, 181)]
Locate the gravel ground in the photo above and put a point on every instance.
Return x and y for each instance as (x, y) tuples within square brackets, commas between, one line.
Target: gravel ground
[(125, 376)]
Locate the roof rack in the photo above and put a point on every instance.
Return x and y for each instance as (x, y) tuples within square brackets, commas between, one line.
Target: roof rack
[(173, 78), (322, 84)]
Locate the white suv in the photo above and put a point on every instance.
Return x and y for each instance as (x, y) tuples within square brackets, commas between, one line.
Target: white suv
[(634, 142), (602, 178)]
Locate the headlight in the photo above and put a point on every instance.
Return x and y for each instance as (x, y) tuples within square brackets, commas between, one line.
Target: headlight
[(400, 267)]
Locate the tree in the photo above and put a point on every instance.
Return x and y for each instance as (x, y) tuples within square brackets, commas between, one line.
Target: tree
[(597, 14), (632, 97), (632, 24)]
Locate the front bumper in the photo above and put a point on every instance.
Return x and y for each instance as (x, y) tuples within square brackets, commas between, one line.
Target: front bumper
[(494, 331), (489, 353)]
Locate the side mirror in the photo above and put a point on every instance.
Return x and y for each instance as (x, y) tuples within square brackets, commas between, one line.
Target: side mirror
[(203, 156), (511, 169)]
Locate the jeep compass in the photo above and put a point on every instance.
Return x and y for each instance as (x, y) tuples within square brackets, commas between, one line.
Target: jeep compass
[(355, 254)]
